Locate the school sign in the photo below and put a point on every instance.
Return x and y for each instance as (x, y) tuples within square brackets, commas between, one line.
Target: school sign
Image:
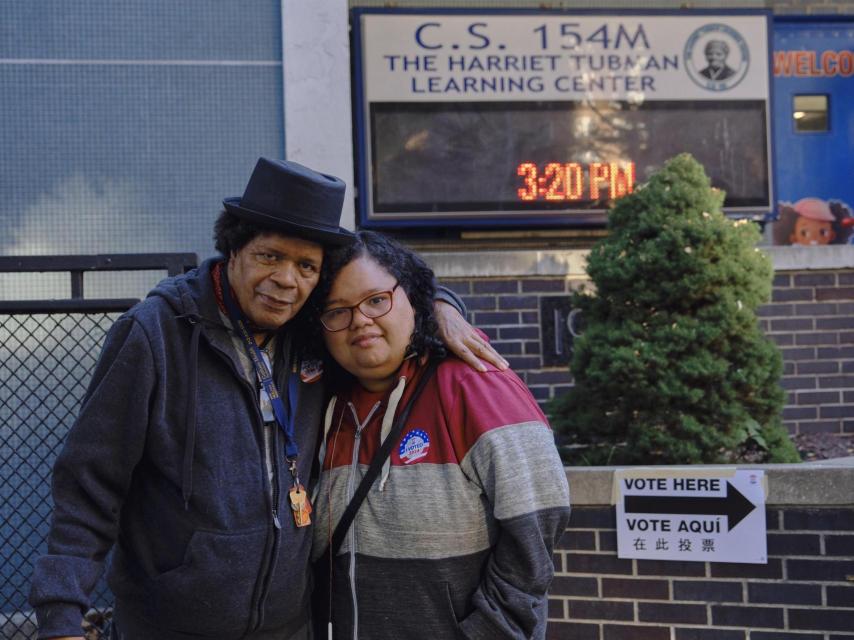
[(493, 118)]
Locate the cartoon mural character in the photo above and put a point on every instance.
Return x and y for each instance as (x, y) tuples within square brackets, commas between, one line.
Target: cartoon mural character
[(716, 53), (811, 221)]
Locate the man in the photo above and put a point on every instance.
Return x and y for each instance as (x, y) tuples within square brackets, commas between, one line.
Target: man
[(195, 441), (716, 53)]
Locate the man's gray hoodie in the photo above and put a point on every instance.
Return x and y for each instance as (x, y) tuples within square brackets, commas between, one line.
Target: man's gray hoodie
[(167, 459)]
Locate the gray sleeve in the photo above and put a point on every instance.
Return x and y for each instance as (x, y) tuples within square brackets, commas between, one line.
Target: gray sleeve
[(523, 477), (511, 600), (446, 295), (90, 479)]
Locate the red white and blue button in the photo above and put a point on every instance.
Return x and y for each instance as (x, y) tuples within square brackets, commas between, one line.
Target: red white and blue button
[(414, 446)]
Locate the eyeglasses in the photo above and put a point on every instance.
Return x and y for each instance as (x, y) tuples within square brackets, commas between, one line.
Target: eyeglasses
[(375, 305)]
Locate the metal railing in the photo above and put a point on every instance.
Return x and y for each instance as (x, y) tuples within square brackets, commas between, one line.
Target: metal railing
[(48, 350)]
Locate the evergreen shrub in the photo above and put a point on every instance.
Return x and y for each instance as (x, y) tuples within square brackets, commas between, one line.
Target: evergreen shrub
[(671, 366)]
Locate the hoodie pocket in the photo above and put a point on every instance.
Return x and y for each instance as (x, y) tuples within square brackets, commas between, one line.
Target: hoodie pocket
[(456, 608), (211, 592)]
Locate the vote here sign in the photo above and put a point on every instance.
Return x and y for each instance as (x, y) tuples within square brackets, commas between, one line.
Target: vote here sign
[(706, 515)]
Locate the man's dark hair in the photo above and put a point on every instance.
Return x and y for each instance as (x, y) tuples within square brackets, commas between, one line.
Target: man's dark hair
[(231, 233), (411, 272)]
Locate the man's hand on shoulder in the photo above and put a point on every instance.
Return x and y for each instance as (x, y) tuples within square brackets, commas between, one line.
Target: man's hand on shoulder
[(463, 340)]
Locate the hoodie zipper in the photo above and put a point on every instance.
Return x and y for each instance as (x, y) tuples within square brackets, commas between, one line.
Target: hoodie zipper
[(352, 533), (272, 471), (266, 570), (351, 489), (267, 564), (273, 481)]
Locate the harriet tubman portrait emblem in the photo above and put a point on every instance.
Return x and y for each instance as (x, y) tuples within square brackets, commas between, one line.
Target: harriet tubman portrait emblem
[(716, 57)]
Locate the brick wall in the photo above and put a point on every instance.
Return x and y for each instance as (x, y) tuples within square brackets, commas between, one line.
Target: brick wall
[(810, 317), (804, 592), (507, 310)]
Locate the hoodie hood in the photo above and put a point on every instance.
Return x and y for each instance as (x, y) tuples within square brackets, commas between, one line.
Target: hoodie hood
[(184, 293), (184, 296)]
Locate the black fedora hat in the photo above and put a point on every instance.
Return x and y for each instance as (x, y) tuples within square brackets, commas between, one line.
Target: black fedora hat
[(291, 199)]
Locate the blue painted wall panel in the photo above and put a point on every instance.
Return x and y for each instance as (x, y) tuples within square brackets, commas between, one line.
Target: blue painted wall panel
[(154, 29), (122, 154), (814, 57), (129, 159)]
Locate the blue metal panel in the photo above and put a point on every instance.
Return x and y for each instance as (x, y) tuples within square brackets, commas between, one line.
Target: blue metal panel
[(103, 158), (814, 56), (125, 123), (154, 29)]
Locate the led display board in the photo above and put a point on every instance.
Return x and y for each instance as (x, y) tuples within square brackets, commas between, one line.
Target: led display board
[(520, 118)]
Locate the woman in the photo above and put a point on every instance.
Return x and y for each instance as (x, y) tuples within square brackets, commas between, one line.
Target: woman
[(455, 537)]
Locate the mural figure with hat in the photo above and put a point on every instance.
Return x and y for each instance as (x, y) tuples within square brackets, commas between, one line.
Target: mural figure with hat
[(812, 221), (191, 456)]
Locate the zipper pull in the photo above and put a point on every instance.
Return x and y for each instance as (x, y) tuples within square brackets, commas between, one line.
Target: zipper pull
[(276, 522)]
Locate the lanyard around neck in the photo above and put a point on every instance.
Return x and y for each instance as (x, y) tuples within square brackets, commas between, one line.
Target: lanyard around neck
[(285, 419)]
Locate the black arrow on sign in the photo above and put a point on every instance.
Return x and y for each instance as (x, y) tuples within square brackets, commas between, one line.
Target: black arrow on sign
[(734, 506)]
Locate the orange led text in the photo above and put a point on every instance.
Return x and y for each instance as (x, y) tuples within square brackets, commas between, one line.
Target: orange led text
[(570, 181)]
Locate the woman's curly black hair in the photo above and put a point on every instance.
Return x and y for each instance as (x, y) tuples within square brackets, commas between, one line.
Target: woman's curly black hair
[(411, 272)]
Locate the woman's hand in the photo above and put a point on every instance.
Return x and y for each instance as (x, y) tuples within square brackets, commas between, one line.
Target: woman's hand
[(463, 340)]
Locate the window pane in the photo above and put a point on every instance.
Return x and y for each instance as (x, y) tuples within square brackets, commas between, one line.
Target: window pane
[(810, 113)]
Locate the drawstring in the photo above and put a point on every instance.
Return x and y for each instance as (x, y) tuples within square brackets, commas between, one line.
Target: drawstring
[(321, 456), (388, 418), (192, 398), (190, 438)]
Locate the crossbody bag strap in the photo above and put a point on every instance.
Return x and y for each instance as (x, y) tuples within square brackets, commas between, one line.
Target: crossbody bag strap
[(377, 463)]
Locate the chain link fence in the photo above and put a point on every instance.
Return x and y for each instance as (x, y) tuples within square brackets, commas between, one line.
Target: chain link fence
[(46, 361), (48, 350)]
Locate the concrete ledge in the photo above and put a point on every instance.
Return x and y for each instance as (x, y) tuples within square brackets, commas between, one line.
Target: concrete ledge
[(798, 258), (486, 264), (825, 483), (570, 263)]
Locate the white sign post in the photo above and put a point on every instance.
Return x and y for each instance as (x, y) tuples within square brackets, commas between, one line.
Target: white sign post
[(705, 515)]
